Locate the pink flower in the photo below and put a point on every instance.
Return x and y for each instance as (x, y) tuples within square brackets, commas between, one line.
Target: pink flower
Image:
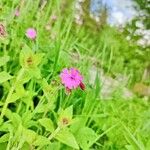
[(17, 13), (54, 17), (31, 33), (71, 78)]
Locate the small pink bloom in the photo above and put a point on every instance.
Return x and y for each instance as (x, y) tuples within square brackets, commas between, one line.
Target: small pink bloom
[(17, 13), (71, 78), (54, 17), (31, 33)]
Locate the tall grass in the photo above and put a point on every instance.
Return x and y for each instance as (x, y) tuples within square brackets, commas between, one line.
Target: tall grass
[(36, 112)]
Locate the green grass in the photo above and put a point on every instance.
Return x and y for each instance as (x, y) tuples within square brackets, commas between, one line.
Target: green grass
[(33, 102)]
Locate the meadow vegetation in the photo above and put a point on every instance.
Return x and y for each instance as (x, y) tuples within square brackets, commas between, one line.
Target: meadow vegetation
[(37, 109)]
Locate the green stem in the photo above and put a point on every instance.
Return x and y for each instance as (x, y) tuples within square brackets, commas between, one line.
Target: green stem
[(54, 133), (19, 107), (51, 136), (11, 92), (5, 54), (66, 101)]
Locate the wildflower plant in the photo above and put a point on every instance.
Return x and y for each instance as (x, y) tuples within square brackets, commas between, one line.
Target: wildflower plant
[(31, 33), (46, 101), (72, 79)]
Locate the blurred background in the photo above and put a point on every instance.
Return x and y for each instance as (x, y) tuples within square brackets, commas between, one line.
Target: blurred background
[(123, 28)]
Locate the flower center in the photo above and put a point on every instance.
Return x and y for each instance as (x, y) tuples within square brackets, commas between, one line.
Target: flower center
[(72, 78), (29, 61), (65, 121)]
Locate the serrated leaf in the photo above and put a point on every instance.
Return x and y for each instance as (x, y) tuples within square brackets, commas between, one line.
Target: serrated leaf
[(66, 137), (47, 124), (4, 60), (4, 76)]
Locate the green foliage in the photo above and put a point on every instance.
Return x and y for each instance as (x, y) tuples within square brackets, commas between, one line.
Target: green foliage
[(66, 137), (65, 116), (4, 76), (86, 137), (4, 60), (47, 123), (35, 110)]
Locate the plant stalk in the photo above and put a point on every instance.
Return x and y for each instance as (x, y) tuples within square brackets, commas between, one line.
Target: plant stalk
[(10, 93)]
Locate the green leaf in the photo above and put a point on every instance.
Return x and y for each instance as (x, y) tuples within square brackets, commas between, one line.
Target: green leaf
[(132, 140), (5, 126), (47, 124), (25, 54), (148, 144), (28, 59), (4, 40), (67, 115), (3, 146), (129, 147), (25, 146), (25, 78), (14, 97), (47, 89), (20, 90), (4, 76), (29, 135), (27, 119), (38, 58), (66, 137), (42, 108), (18, 134), (86, 137), (54, 146), (35, 72), (4, 60), (1, 103), (4, 138), (14, 117), (41, 141)]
